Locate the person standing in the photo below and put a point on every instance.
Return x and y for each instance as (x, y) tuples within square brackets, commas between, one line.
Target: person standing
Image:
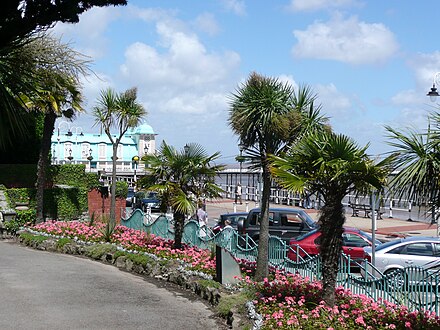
[(202, 217), (238, 193)]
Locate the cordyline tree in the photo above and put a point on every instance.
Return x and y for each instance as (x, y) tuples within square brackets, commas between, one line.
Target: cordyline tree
[(417, 164), (181, 177), (57, 73), (20, 22), (333, 166), (120, 112), (268, 115)]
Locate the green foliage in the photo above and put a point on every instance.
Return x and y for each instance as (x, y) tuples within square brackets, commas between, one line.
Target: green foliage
[(98, 250), (65, 203), (18, 175), (139, 259), (28, 238), (20, 195), (63, 241), (121, 189), (209, 284), (233, 302), (23, 217), (109, 228)]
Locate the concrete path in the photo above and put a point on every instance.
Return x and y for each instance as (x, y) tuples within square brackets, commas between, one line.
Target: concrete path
[(42, 290)]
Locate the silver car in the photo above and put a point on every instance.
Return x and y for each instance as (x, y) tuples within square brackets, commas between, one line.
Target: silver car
[(405, 252)]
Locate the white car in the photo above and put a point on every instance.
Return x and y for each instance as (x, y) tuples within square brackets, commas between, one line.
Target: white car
[(405, 252)]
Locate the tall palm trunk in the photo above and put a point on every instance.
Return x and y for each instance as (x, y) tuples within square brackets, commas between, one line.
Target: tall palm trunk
[(331, 219), (179, 221), (113, 186), (262, 270), (49, 124)]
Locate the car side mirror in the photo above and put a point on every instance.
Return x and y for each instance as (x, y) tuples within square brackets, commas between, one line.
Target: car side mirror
[(240, 225)]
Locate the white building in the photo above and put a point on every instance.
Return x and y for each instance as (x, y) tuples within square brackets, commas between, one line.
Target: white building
[(73, 146)]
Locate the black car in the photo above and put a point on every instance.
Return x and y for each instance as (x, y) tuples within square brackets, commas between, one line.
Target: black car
[(234, 218), (284, 223), (151, 200), (129, 199)]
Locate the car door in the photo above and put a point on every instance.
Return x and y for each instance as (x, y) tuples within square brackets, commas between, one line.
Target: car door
[(291, 225), (412, 254), (353, 245)]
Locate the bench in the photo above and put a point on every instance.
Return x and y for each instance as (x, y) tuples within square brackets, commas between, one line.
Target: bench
[(366, 209)]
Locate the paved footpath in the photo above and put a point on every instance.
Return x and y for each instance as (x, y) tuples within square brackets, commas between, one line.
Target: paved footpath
[(44, 290), (387, 228)]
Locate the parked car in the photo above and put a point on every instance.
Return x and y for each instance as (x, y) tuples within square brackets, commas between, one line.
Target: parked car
[(151, 200), (353, 242), (232, 217), (129, 199), (404, 252), (283, 222)]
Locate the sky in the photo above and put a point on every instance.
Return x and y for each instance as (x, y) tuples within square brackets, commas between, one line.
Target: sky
[(370, 63)]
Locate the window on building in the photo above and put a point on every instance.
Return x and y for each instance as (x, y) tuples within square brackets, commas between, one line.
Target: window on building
[(119, 152), (67, 150), (85, 147), (101, 151)]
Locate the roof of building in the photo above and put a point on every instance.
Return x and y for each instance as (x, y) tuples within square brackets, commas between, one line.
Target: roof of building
[(142, 129), (89, 138)]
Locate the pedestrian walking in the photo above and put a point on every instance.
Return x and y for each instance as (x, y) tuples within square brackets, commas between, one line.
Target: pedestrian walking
[(238, 193)]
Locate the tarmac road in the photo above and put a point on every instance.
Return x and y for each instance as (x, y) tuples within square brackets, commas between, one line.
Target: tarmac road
[(43, 290)]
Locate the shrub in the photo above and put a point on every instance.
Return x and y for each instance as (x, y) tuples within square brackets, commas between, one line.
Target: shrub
[(235, 301), (63, 241), (28, 238), (97, 251)]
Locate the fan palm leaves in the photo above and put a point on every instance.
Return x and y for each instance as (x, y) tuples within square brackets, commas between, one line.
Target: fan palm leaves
[(182, 178), (332, 165)]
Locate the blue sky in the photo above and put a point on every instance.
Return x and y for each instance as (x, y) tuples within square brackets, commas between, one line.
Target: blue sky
[(371, 63)]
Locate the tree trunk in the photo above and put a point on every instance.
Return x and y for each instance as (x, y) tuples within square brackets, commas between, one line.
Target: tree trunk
[(179, 221), (49, 124), (113, 186), (262, 270), (332, 219)]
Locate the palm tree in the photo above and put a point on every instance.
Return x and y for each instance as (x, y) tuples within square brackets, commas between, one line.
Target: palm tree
[(332, 165), (268, 115), (417, 165), (121, 112), (59, 96), (56, 92), (182, 177)]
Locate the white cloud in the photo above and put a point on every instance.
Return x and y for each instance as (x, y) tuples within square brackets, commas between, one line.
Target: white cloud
[(238, 7), (314, 5), (349, 41), (206, 22), (89, 31), (335, 104)]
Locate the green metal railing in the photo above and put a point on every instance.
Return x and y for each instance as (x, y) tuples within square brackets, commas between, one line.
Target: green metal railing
[(416, 288)]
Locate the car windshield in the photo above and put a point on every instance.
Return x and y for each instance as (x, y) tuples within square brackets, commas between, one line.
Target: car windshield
[(369, 237), (388, 244), (310, 222), (305, 235)]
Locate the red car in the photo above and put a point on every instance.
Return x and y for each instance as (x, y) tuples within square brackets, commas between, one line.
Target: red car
[(353, 243)]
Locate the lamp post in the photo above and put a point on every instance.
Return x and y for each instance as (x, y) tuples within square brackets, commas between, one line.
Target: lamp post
[(433, 94), (186, 149), (240, 159), (90, 158), (70, 157), (135, 161)]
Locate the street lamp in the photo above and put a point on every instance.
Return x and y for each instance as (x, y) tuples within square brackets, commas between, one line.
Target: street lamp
[(90, 158), (433, 94), (240, 158), (135, 161), (70, 155), (186, 149), (146, 149)]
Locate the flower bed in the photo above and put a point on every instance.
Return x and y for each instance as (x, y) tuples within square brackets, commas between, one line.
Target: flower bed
[(284, 302)]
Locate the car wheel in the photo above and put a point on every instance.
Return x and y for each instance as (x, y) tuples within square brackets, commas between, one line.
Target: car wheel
[(395, 278)]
